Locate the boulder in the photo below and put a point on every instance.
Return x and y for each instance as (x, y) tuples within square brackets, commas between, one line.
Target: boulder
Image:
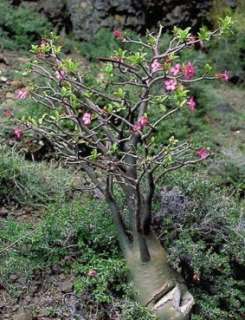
[(85, 17)]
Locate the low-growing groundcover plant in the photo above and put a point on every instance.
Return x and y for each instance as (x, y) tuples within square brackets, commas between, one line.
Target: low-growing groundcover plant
[(19, 27), (205, 243), (111, 132)]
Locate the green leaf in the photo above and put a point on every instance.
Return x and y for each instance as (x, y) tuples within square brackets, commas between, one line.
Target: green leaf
[(225, 25), (182, 34), (204, 34)]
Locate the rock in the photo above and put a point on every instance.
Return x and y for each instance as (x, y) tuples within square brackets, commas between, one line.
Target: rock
[(3, 79), (66, 286), (10, 95), (225, 107), (3, 212), (13, 277), (3, 59), (23, 315), (173, 203), (86, 17), (16, 84), (55, 269), (62, 277), (28, 299)]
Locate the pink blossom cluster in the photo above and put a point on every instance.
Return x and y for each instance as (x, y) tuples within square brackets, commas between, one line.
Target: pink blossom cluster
[(87, 118), (170, 84), (176, 69), (21, 94), (189, 71), (223, 76), (155, 66), (192, 104), (60, 75), (18, 133), (141, 123), (118, 34), (202, 153)]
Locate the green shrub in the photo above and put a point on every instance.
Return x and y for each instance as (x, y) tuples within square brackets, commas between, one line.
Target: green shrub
[(21, 26), (102, 45), (206, 244), (31, 184), (132, 310)]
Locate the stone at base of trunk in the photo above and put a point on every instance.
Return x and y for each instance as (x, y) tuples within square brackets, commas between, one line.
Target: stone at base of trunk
[(172, 306)]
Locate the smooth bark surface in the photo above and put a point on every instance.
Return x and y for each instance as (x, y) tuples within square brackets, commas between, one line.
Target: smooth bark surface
[(159, 287)]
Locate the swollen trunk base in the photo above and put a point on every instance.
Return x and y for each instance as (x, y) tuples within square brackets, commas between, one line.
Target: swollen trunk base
[(158, 286)]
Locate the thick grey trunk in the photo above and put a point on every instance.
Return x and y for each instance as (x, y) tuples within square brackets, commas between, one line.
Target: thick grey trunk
[(158, 286)]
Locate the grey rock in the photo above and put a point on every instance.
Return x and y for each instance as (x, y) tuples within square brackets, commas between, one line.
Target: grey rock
[(66, 286), (86, 17), (23, 315), (13, 277), (225, 107), (173, 202), (3, 212)]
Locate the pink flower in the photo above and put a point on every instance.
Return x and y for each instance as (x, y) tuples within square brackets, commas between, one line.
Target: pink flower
[(143, 121), (18, 133), (21, 94), (192, 104), (136, 127), (118, 34), (92, 273), (223, 76), (60, 75), (175, 70), (189, 71), (156, 66), (170, 84), (202, 153), (87, 118)]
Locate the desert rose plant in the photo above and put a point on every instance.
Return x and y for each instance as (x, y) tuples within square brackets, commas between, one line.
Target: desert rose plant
[(108, 125)]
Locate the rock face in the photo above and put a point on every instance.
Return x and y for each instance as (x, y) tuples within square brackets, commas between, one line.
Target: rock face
[(89, 16), (85, 17), (172, 12)]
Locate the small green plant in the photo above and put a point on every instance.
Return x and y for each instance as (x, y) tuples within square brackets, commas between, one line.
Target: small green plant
[(102, 45), (103, 278), (207, 247), (28, 183), (20, 27)]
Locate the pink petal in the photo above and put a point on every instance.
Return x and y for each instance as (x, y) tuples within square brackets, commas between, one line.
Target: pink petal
[(156, 66), (202, 153), (118, 34), (191, 104), (143, 121), (21, 94), (18, 133), (87, 118), (189, 71), (170, 85), (175, 69)]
